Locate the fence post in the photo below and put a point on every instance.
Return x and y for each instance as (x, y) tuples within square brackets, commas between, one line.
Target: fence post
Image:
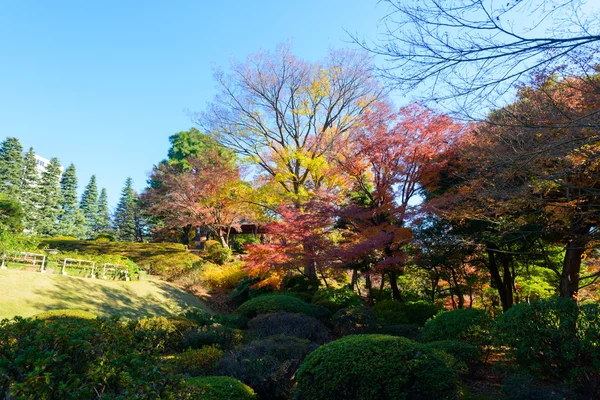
[(64, 266), (43, 268), (93, 274)]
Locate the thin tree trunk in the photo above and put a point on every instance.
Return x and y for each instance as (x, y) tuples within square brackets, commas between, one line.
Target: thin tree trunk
[(569, 280), (394, 285)]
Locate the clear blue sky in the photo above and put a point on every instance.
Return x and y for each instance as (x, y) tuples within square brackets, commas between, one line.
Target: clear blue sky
[(102, 84)]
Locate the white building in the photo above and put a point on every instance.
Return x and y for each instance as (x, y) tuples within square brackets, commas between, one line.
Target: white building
[(42, 163)]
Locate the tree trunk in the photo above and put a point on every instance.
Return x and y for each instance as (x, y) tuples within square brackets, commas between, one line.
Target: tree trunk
[(569, 280), (369, 287), (394, 285), (504, 287), (185, 236)]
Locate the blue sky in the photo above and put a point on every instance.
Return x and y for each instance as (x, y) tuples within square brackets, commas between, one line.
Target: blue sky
[(103, 84)]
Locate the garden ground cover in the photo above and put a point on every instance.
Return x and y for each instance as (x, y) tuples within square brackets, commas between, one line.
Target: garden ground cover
[(27, 293)]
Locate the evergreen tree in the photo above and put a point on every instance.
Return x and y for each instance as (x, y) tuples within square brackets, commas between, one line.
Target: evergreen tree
[(30, 198), (49, 192), (103, 217), (89, 205), (11, 167), (125, 214), (71, 221)]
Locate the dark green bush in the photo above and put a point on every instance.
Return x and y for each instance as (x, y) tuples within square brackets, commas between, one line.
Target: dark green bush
[(218, 388), (470, 325), (267, 365), (300, 283), (58, 314), (554, 338), (353, 320), (366, 367), (268, 304), (216, 253), (287, 324), (467, 356), (73, 358), (161, 333), (336, 299), (522, 387), (412, 332), (241, 241), (245, 291), (304, 296), (391, 312), (105, 237), (222, 336), (196, 362)]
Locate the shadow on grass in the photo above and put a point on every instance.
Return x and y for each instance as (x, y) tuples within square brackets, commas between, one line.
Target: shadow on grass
[(148, 299)]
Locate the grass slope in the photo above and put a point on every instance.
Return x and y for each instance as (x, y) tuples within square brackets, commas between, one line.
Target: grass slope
[(26, 293)]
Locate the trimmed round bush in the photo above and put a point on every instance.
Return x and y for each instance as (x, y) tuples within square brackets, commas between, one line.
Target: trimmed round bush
[(216, 253), (222, 336), (366, 367), (336, 299), (105, 237), (267, 365), (288, 324), (58, 314), (353, 320), (412, 332), (196, 362), (268, 304), (466, 355), (163, 334), (219, 388), (391, 312), (470, 325)]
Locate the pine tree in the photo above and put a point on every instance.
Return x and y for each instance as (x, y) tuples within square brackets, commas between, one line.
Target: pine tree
[(89, 205), (71, 221), (11, 167), (103, 223), (49, 192), (30, 198), (125, 214)]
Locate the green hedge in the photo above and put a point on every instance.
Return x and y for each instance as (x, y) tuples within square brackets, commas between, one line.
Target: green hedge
[(366, 367), (219, 388), (470, 325), (57, 314), (271, 303)]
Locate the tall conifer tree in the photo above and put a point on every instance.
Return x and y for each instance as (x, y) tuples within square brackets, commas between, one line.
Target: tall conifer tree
[(71, 221), (11, 167), (103, 217), (125, 214), (30, 198), (89, 205), (49, 192)]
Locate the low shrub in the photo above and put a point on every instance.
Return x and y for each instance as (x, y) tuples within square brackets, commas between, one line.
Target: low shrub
[(222, 336), (218, 388), (202, 318), (216, 253), (522, 387), (105, 237), (300, 283), (271, 303), (470, 325), (226, 276), (64, 238), (241, 241), (287, 324), (195, 362), (245, 291), (354, 320), (336, 299), (554, 338), (58, 314), (412, 332), (161, 333), (467, 356), (304, 296), (267, 365), (365, 367), (391, 312)]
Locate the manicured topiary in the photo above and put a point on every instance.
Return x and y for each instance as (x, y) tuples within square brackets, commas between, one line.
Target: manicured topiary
[(57, 314), (391, 312), (289, 324), (336, 299), (365, 367), (471, 325), (267, 304), (219, 388), (222, 336), (467, 356), (196, 362), (412, 332), (160, 333), (353, 320)]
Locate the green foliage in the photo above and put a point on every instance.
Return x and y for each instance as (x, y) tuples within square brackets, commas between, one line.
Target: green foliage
[(104, 237), (365, 367), (216, 253), (218, 388), (30, 198), (58, 314), (11, 215), (71, 220), (226, 276), (390, 312), (288, 324), (412, 332), (11, 167), (9, 241), (125, 214), (242, 240), (225, 337), (49, 192), (467, 356), (160, 334), (304, 296), (471, 325), (523, 387), (271, 303), (202, 318), (245, 291), (89, 204), (300, 283), (354, 320), (267, 365), (336, 299), (195, 362), (103, 223), (554, 338), (74, 358)]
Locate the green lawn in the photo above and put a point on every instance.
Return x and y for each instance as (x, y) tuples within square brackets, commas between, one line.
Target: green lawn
[(27, 293)]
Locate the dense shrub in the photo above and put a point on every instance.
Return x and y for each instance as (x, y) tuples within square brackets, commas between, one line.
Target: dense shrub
[(412, 332), (202, 318), (390, 312), (161, 333), (300, 283), (336, 299), (222, 336), (554, 338), (58, 314), (304, 296), (296, 325), (105, 237), (267, 365), (196, 362), (226, 276), (216, 253), (354, 320), (267, 304), (218, 388), (241, 241), (470, 325), (365, 367), (245, 291), (522, 387), (467, 356), (73, 358)]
